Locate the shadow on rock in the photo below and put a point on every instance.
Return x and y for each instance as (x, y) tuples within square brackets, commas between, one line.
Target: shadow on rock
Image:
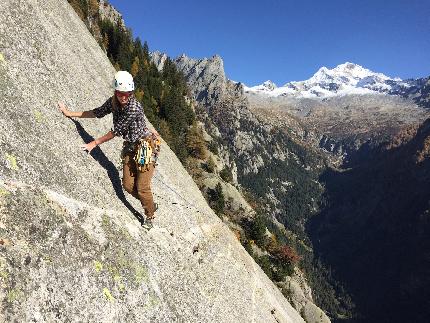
[(112, 171)]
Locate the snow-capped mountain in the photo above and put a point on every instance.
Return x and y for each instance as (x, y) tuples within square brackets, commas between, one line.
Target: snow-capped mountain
[(266, 86), (344, 79)]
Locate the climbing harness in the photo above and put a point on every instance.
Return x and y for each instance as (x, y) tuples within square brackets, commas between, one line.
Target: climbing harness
[(147, 152)]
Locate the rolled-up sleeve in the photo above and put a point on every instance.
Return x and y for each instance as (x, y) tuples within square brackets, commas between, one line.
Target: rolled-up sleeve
[(103, 110)]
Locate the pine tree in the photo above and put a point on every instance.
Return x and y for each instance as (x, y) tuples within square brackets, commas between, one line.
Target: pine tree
[(165, 131), (210, 165), (226, 174), (146, 48), (93, 8), (258, 230), (135, 67), (196, 145), (138, 93), (217, 200)]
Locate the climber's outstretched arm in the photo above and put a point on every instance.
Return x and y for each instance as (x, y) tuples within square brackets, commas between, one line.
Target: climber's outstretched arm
[(75, 114), (91, 145)]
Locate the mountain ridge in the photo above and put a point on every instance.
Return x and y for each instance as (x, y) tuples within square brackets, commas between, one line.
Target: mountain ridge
[(344, 79)]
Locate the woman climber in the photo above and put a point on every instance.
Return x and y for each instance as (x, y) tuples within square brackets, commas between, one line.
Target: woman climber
[(128, 122)]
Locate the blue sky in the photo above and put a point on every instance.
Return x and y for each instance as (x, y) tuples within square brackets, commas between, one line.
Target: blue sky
[(288, 40)]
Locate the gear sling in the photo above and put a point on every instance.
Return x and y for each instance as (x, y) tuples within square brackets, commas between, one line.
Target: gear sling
[(147, 152)]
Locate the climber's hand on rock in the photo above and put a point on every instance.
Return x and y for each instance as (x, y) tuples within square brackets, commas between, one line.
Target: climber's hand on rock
[(63, 109), (90, 146)]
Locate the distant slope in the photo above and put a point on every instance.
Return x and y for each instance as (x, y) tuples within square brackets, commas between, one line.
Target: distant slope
[(342, 124), (374, 229)]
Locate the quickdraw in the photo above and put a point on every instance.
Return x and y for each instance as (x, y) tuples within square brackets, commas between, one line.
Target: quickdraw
[(147, 152)]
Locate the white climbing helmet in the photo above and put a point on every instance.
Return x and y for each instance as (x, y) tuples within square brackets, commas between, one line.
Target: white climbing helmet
[(123, 81)]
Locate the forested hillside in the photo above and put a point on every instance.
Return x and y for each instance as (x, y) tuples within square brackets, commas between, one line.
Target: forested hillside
[(374, 229)]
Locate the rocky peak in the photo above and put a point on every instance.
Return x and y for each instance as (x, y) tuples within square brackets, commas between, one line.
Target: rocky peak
[(108, 12), (206, 76), (352, 68), (158, 58), (321, 74), (269, 85)]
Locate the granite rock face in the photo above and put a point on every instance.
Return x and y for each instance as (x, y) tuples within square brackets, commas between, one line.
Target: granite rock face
[(300, 296), (71, 248), (206, 76)]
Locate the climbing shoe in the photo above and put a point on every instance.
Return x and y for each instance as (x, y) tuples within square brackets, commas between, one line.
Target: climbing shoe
[(148, 224)]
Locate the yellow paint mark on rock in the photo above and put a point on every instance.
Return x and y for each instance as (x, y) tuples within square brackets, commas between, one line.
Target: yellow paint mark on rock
[(105, 221), (4, 192), (98, 266), (153, 300), (2, 60), (108, 295), (11, 159), (4, 274), (13, 295), (38, 116), (47, 258), (121, 287), (141, 274)]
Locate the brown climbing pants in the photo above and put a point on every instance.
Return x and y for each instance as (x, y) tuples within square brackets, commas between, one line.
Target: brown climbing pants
[(138, 183)]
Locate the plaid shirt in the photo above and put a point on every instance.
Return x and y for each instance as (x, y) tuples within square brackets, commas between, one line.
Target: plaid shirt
[(128, 122)]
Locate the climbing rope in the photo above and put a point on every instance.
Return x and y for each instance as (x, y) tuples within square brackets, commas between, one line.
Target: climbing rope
[(189, 205)]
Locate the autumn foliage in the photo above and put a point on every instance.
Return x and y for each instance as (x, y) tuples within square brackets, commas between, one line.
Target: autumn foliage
[(287, 254)]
